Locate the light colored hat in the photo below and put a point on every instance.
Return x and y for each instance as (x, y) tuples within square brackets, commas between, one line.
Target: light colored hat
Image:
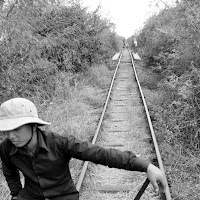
[(17, 112)]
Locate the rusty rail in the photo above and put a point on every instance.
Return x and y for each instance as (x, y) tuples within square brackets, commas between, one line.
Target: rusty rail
[(85, 165), (167, 194)]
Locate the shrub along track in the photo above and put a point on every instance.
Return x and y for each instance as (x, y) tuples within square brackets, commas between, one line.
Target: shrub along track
[(124, 127)]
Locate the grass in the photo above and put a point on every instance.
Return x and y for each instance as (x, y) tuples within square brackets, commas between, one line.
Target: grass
[(75, 109), (4, 192)]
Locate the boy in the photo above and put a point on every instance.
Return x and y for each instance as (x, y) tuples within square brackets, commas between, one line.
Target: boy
[(43, 156)]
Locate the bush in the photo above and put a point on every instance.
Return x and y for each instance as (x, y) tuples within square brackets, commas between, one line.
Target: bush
[(39, 40)]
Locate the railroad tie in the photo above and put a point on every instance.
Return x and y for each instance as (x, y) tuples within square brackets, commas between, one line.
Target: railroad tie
[(114, 188)]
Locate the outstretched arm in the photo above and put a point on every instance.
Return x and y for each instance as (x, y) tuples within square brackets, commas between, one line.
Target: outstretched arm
[(109, 157), (115, 158)]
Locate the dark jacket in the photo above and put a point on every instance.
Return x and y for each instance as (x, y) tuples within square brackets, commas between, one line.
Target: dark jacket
[(47, 172)]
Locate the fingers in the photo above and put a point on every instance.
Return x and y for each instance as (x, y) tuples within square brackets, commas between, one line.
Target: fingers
[(163, 185), (158, 186), (155, 186), (156, 177)]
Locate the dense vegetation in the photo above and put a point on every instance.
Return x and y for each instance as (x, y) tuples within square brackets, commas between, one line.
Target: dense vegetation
[(169, 44), (41, 39)]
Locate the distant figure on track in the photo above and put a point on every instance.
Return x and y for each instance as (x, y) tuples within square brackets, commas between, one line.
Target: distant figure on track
[(124, 43), (135, 45), (43, 156)]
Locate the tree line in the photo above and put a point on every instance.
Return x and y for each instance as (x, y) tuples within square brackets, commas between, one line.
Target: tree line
[(170, 45), (40, 39)]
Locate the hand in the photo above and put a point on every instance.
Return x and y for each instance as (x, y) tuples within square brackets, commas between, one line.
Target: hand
[(156, 177), (14, 198)]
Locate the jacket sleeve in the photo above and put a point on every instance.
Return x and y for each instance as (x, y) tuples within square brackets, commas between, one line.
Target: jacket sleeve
[(10, 172), (109, 157)]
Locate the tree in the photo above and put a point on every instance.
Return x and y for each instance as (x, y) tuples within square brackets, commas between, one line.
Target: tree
[(40, 39)]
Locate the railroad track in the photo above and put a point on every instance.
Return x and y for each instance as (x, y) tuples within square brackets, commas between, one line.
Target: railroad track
[(124, 124)]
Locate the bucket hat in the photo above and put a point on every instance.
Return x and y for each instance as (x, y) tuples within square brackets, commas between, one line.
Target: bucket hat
[(17, 112)]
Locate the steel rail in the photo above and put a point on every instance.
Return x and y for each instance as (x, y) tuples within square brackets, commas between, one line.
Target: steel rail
[(85, 165), (167, 194)]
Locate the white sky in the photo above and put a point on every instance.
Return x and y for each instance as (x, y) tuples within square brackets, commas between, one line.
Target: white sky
[(128, 15)]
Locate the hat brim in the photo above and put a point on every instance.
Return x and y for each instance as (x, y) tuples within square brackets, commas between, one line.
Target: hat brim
[(11, 124)]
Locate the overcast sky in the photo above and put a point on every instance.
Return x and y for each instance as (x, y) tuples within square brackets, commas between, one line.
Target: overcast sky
[(128, 15)]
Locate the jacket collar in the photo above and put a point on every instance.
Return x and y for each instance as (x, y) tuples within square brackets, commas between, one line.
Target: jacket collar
[(41, 144)]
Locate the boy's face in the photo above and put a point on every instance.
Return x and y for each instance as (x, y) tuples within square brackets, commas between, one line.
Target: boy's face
[(20, 136)]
